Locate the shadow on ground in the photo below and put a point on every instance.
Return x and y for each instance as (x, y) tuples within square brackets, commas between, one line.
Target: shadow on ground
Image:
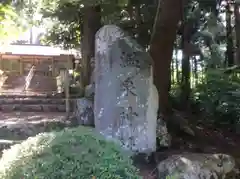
[(18, 126)]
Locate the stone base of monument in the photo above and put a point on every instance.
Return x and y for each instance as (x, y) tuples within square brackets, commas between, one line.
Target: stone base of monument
[(83, 112), (89, 91)]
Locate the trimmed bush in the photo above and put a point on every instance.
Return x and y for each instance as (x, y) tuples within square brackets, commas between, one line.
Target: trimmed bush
[(75, 153)]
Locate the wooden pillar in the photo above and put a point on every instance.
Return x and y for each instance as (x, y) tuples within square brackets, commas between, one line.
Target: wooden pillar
[(21, 67), (53, 67), (1, 59), (11, 66), (67, 84)]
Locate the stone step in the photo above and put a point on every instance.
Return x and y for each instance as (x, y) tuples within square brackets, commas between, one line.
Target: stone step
[(32, 95), (42, 83), (32, 107), (31, 101)]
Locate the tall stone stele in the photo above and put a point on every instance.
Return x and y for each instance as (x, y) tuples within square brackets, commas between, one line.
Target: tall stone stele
[(126, 101)]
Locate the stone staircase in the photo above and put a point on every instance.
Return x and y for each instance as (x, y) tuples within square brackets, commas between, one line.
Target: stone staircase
[(13, 82), (36, 92), (31, 104), (41, 81)]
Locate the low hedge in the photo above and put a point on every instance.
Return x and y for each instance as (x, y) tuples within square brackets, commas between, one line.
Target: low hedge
[(76, 153)]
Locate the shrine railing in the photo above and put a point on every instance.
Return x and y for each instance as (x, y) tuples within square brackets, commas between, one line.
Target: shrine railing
[(29, 78)]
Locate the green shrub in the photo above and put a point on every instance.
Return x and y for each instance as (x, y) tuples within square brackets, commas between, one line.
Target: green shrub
[(219, 98), (69, 154)]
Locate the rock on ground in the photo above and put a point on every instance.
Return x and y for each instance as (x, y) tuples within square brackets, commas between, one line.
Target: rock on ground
[(196, 166)]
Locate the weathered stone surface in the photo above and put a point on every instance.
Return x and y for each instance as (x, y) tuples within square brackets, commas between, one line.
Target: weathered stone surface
[(46, 108), (53, 107), (7, 108), (164, 138), (89, 91), (92, 79), (6, 101), (35, 108), (29, 107), (196, 166), (126, 101), (84, 112), (61, 108)]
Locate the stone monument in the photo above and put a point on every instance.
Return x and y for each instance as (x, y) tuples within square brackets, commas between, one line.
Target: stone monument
[(125, 101)]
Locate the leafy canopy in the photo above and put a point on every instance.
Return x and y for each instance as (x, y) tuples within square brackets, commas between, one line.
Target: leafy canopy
[(10, 26)]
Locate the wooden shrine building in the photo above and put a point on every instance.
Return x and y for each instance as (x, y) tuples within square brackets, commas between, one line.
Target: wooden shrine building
[(32, 67)]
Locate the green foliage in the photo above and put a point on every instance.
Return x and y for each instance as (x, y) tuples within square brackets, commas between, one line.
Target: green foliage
[(9, 23), (219, 97), (64, 19), (171, 177), (72, 153), (29, 12)]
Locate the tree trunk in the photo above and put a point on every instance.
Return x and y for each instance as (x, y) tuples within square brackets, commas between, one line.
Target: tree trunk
[(177, 68), (91, 24), (229, 51), (189, 28), (237, 33), (185, 82), (196, 71), (165, 27)]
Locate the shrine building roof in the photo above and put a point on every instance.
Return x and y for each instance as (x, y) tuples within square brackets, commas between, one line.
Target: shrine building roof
[(35, 51)]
